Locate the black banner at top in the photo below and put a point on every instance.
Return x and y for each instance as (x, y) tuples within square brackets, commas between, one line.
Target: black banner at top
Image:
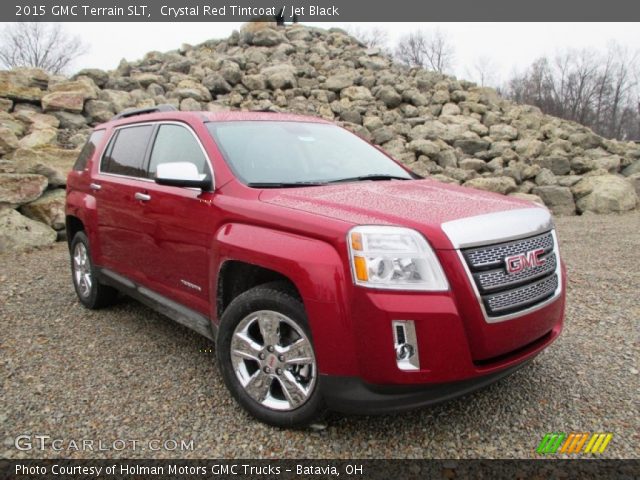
[(318, 10)]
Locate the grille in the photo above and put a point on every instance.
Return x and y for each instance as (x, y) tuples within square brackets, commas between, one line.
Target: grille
[(503, 293), (492, 280), (523, 296), (493, 255)]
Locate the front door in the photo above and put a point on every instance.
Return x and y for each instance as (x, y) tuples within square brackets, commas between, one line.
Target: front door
[(181, 222)]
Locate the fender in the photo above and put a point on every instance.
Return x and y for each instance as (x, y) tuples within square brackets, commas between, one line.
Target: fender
[(314, 267), (83, 207)]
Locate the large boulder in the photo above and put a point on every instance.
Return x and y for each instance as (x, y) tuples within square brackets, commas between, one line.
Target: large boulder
[(267, 37), (231, 72), (192, 89), (280, 76), (389, 96), (38, 138), (218, 85), (529, 197), (501, 185), (472, 164), (356, 93), (634, 178), (632, 169), (100, 111), (70, 120), (336, 83), (8, 140), (503, 132), (558, 164), (99, 77), (83, 85), (558, 199), (48, 209), (117, 99), (250, 29), (373, 62), (17, 188), (18, 232), (52, 162), (424, 147), (605, 194), (69, 101), (23, 85), (471, 143)]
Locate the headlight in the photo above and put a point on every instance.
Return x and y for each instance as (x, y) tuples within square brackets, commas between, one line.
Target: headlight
[(394, 258)]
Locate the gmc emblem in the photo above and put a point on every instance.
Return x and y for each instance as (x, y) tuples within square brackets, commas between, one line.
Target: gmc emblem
[(522, 261)]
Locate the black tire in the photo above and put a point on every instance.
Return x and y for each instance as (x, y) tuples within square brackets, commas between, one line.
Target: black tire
[(272, 297), (96, 295)]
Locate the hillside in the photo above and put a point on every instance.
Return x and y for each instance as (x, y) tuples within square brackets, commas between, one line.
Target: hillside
[(441, 127)]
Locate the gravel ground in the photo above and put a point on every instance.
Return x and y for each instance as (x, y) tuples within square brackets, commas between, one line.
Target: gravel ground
[(129, 373)]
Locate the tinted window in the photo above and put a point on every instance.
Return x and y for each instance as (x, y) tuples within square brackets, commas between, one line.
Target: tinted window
[(176, 144), (297, 152), (88, 150), (126, 154)]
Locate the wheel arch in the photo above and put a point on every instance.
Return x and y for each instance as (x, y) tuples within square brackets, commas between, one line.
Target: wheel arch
[(73, 226), (313, 267), (236, 277)]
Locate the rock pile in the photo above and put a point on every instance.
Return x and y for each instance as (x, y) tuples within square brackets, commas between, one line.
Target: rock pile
[(449, 129)]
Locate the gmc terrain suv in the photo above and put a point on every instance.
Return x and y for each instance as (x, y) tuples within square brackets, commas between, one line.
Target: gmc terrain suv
[(329, 275)]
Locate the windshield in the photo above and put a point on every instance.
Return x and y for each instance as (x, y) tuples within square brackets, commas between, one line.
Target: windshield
[(267, 153)]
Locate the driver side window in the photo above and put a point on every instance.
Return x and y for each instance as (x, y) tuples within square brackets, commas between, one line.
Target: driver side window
[(175, 143)]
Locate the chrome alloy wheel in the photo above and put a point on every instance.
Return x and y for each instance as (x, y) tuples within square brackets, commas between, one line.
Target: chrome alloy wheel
[(82, 270), (273, 360)]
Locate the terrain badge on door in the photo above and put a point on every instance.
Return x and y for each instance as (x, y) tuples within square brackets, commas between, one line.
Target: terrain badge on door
[(190, 285)]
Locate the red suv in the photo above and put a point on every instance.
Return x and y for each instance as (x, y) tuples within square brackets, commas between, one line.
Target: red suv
[(329, 275)]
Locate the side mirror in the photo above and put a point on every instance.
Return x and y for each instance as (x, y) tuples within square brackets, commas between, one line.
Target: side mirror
[(182, 174)]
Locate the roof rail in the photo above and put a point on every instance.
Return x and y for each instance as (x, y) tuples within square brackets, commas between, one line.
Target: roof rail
[(165, 107)]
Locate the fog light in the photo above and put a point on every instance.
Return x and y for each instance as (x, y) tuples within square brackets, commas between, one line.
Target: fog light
[(406, 345)]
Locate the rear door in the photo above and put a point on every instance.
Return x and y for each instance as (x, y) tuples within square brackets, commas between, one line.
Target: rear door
[(119, 186), (182, 221)]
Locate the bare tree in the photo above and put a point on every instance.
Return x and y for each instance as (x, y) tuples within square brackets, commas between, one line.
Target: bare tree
[(598, 89), (411, 50), (41, 45), (483, 71), (431, 50), (375, 37)]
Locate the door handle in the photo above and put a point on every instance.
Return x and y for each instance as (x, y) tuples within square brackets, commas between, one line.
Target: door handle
[(143, 197), (95, 186)]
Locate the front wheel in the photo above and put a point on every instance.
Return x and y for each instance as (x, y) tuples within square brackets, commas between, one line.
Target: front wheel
[(266, 356)]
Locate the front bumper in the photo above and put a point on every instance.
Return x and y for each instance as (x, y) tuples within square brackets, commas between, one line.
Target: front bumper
[(352, 395)]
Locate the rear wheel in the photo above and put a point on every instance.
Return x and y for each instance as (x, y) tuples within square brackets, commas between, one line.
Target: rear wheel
[(91, 293), (266, 356)]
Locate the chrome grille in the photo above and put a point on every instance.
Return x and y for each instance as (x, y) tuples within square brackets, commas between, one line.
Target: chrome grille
[(491, 280), (523, 296), (494, 254), (504, 293)]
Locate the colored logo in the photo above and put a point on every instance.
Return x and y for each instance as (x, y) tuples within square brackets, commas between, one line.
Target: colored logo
[(522, 261), (573, 443)]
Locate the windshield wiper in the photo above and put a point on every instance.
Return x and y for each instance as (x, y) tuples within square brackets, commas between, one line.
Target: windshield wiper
[(284, 184), (373, 176)]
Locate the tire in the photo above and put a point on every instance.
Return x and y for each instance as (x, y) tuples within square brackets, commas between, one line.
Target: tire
[(255, 351), (91, 293)]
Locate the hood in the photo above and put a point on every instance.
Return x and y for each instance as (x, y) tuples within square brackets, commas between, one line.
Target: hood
[(424, 205)]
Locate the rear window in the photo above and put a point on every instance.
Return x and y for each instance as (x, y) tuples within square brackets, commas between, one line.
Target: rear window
[(88, 150), (126, 152)]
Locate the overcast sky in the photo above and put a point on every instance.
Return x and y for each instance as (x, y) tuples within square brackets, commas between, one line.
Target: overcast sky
[(509, 46)]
